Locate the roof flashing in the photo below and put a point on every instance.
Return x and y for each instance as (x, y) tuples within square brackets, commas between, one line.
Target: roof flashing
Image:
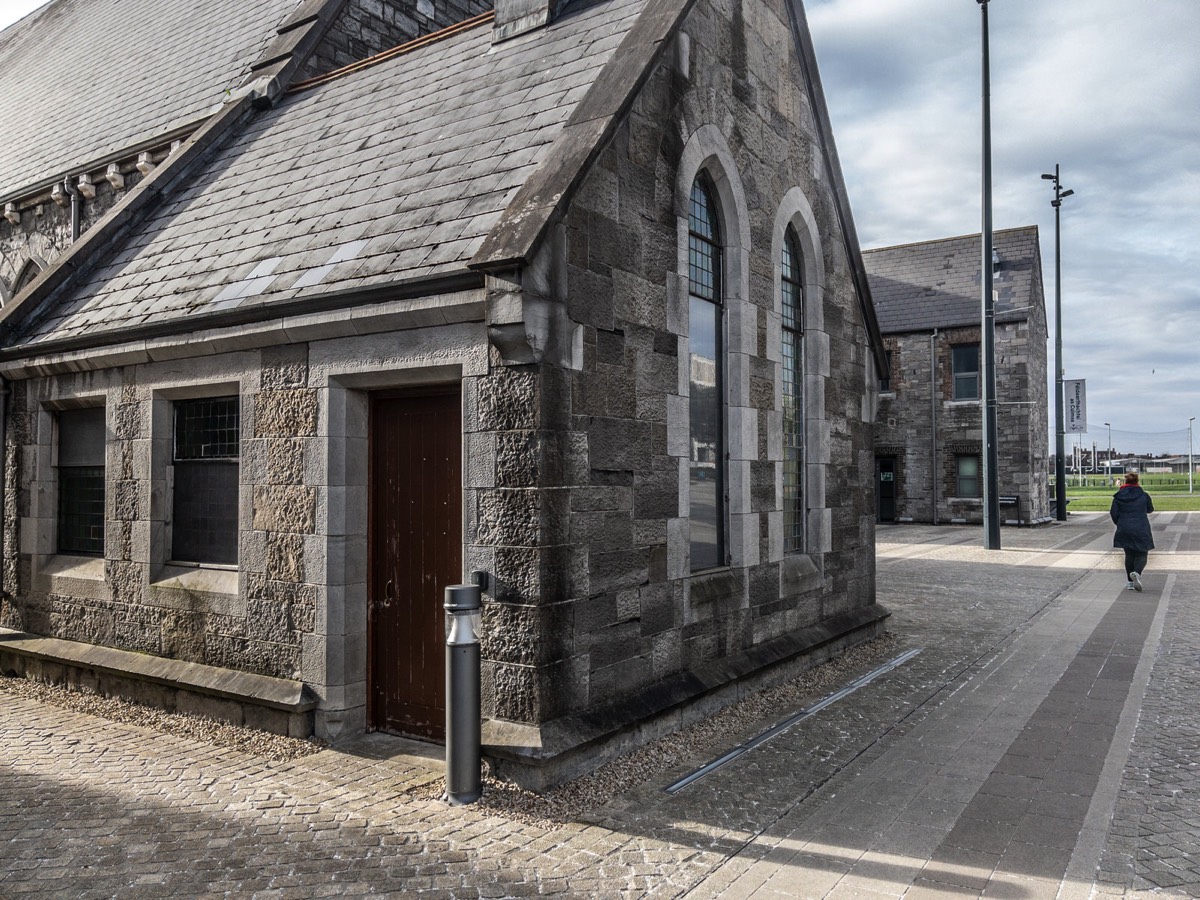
[(517, 17)]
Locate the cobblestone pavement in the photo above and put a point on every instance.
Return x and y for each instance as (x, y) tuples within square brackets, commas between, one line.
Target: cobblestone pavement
[(1043, 742)]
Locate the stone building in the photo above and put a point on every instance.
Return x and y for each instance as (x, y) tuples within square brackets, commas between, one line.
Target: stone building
[(566, 295), (929, 436)]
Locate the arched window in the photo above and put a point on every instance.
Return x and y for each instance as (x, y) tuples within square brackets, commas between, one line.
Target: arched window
[(706, 377), (792, 290), (29, 271)]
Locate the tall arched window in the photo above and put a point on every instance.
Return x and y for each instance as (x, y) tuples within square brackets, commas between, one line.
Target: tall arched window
[(792, 291), (707, 390)]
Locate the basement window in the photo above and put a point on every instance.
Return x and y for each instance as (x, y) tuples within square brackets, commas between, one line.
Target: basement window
[(967, 476)]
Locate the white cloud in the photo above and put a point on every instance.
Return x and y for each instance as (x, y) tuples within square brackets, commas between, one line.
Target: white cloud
[(1106, 88)]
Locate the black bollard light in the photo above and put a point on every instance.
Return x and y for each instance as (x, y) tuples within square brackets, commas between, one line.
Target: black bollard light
[(464, 782)]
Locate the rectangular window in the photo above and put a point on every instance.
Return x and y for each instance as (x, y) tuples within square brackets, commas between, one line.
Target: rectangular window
[(966, 371), (967, 476), (885, 377), (81, 438), (206, 463)]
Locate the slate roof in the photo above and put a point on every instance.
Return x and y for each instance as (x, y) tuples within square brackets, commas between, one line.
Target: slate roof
[(935, 284), (396, 171), (81, 80)]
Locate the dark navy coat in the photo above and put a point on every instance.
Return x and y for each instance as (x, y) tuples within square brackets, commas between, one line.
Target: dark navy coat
[(1129, 511)]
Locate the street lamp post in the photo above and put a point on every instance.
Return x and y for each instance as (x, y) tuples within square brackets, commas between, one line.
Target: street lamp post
[(1108, 459), (1060, 478), (991, 483), (1191, 464)]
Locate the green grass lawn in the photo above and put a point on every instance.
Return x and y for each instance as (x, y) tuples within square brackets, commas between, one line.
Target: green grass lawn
[(1170, 493)]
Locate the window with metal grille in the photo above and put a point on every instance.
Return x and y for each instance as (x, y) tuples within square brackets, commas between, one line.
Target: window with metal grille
[(967, 472), (792, 289), (706, 377), (81, 481), (965, 360), (206, 464)]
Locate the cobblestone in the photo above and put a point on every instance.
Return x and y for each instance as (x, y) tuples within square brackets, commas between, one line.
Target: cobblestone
[(920, 783)]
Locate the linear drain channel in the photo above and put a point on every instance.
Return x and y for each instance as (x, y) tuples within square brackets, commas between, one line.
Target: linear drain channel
[(781, 727)]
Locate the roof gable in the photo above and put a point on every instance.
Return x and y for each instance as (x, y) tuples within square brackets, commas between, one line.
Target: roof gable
[(935, 284), (82, 80)]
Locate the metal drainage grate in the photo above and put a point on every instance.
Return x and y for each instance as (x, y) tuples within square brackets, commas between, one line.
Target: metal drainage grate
[(781, 727)]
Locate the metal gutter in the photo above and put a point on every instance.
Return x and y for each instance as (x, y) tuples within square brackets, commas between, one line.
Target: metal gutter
[(253, 313)]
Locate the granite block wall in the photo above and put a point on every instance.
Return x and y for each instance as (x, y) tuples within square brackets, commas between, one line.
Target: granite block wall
[(594, 599), (366, 27), (926, 478)]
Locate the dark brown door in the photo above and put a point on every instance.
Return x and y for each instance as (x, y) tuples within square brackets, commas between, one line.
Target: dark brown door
[(415, 551)]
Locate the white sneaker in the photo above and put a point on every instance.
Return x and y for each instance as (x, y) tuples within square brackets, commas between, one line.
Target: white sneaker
[(1129, 586), (1137, 581)]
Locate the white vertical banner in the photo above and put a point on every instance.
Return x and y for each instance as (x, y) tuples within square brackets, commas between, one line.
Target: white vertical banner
[(1076, 400)]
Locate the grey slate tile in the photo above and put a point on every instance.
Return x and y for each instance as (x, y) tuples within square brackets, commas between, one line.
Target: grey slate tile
[(419, 155), (150, 65)]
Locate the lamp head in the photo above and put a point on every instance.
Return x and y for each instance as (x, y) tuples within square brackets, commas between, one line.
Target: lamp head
[(1066, 193), (1048, 177)]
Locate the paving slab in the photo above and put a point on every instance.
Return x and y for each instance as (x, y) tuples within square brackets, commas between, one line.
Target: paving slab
[(1042, 743)]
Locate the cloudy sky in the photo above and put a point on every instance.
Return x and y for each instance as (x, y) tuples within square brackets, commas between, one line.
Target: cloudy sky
[(1108, 89)]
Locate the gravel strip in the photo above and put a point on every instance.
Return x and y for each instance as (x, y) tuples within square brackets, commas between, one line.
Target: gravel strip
[(262, 743), (690, 746)]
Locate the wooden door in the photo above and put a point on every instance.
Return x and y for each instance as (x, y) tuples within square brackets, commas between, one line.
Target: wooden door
[(414, 552)]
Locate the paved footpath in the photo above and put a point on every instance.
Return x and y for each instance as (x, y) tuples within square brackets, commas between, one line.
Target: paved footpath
[(1043, 742)]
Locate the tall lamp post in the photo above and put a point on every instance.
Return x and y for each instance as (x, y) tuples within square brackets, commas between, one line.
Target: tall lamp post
[(1191, 465), (1060, 472), (991, 489), (1108, 459)]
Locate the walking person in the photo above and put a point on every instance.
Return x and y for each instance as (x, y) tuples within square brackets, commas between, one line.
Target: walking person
[(1130, 511)]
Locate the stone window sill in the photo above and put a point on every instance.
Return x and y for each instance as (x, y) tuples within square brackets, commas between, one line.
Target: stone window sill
[(198, 579), (61, 565), (72, 576)]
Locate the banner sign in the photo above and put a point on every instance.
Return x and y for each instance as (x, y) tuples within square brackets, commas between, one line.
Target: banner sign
[(1076, 399)]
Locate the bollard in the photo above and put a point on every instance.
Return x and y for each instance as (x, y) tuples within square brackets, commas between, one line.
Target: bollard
[(464, 783)]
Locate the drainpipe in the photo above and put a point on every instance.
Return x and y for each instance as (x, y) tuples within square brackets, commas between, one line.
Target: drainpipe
[(4, 595), (933, 465), (76, 207)]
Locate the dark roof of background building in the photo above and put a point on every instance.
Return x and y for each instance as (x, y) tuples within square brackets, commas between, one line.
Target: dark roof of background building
[(935, 284), (394, 172), (82, 80)]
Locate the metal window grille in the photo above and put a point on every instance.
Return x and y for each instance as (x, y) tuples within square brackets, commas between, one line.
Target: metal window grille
[(81, 510), (704, 245), (792, 288), (205, 498), (81, 437)]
